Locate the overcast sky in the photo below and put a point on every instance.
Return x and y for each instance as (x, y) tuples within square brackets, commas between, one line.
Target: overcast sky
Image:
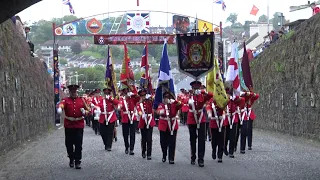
[(204, 9)]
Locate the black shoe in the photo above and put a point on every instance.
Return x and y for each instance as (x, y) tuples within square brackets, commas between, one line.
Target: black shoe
[(116, 139), (171, 161), (78, 166), (249, 148), (149, 158), (219, 160), (200, 163), (109, 149), (210, 139), (131, 152), (235, 149), (193, 162), (71, 163), (214, 156), (231, 155), (143, 155), (164, 158), (126, 151), (226, 152), (105, 148), (242, 152)]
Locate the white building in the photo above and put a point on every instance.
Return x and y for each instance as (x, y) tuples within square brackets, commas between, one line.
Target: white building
[(64, 45)]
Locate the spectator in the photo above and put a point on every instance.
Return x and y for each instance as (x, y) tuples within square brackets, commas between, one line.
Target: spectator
[(19, 26), (13, 19), (281, 34), (31, 45), (255, 52)]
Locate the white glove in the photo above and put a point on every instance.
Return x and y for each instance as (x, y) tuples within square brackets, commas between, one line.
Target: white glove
[(161, 111), (172, 101), (97, 111), (197, 92), (107, 96), (148, 96), (209, 115), (143, 116), (83, 111), (242, 93), (130, 94), (92, 105), (59, 110)]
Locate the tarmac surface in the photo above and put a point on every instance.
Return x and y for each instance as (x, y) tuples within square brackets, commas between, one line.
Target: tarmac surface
[(274, 156)]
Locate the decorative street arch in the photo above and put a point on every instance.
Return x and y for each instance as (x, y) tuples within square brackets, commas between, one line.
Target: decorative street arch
[(130, 27)]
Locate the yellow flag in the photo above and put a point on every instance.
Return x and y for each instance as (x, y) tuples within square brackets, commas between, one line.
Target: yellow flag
[(205, 26), (215, 85)]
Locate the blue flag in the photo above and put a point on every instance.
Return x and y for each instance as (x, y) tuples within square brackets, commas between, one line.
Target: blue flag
[(165, 81), (110, 77)]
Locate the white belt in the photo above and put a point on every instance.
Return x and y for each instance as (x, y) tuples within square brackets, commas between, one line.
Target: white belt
[(244, 110), (108, 117), (249, 113), (201, 115), (74, 119), (132, 116), (219, 121), (148, 120), (174, 119)]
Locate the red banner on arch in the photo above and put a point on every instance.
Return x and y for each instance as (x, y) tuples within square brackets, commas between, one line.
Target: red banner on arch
[(134, 39)]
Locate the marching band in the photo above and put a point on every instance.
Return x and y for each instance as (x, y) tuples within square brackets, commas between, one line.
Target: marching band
[(135, 109)]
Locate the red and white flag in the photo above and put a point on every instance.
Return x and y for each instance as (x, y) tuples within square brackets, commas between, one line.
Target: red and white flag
[(254, 10), (233, 72)]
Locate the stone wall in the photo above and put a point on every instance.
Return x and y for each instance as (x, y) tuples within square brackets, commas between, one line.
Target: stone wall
[(287, 77), (26, 91)]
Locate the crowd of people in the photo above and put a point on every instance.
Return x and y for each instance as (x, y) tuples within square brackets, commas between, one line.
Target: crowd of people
[(134, 110)]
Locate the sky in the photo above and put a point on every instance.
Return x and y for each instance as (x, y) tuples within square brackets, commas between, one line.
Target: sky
[(203, 9)]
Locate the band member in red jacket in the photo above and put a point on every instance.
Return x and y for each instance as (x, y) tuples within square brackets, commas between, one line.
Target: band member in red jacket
[(97, 98), (218, 125), (251, 98), (75, 109), (197, 122), (146, 122), (233, 115), (246, 129), (108, 117), (168, 125), (129, 119)]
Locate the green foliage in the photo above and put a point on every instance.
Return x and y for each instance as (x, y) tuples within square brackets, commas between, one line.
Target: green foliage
[(96, 73), (279, 67), (63, 61), (289, 34), (93, 54), (263, 19), (76, 48), (233, 17), (276, 19)]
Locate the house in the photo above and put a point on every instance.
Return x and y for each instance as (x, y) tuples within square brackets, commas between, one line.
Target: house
[(64, 45), (293, 25)]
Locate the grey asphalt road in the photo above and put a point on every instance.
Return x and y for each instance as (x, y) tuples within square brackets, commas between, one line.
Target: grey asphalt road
[(274, 156)]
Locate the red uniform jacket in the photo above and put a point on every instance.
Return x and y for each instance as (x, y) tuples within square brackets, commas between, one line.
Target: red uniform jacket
[(147, 109), (249, 102), (107, 107), (234, 111), (171, 110), (73, 115), (130, 103), (220, 113), (95, 101), (199, 102), (185, 107)]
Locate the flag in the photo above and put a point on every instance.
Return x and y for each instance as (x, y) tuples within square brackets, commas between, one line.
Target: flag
[(242, 84), (110, 77), (254, 10), (223, 4), (126, 76), (215, 85), (233, 72), (145, 80), (138, 23), (204, 26), (165, 81), (246, 68), (67, 2)]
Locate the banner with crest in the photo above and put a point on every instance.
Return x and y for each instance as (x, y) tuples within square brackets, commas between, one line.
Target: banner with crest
[(195, 53)]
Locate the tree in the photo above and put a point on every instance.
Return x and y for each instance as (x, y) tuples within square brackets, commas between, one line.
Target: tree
[(63, 61), (276, 20), (76, 48), (246, 25), (233, 17), (93, 75), (263, 19)]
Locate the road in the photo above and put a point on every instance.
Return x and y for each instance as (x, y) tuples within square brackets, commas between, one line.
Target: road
[(274, 156)]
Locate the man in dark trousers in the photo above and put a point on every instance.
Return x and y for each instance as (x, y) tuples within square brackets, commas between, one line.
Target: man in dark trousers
[(196, 121), (75, 109)]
